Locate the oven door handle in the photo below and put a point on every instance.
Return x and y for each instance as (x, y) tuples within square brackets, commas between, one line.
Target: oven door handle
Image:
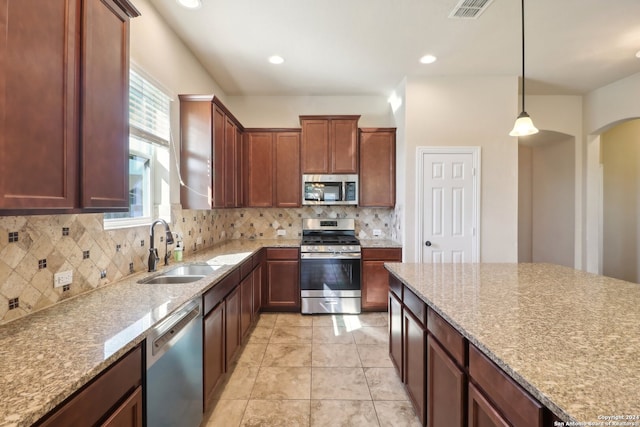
[(330, 255)]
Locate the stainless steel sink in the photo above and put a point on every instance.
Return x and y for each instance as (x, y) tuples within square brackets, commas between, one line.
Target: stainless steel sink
[(164, 279), (182, 274)]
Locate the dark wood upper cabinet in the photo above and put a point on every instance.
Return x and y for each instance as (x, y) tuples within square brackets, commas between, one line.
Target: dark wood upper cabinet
[(288, 183), (377, 167), (105, 105), (259, 169), (64, 146), (210, 154), (272, 168), (329, 144)]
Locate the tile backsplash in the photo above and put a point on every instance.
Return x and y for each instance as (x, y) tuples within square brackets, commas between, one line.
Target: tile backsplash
[(34, 248)]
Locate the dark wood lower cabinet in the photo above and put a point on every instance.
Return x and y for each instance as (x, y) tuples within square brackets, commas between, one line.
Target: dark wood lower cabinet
[(129, 414), (214, 350), (282, 287), (414, 362), (246, 304), (482, 413), (445, 388), (98, 403), (375, 278), (256, 282), (232, 324)]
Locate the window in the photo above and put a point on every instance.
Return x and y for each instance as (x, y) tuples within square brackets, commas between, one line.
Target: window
[(149, 140)]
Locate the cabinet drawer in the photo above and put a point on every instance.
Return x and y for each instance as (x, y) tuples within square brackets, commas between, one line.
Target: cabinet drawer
[(382, 254), (520, 409), (282, 253), (101, 396), (395, 286), (246, 267), (449, 338), (216, 294), (415, 305)]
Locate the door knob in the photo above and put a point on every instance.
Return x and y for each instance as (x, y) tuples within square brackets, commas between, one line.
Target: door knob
[(427, 243)]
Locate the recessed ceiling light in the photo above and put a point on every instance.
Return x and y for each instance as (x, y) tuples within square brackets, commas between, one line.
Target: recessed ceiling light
[(276, 59), (428, 59), (190, 4)]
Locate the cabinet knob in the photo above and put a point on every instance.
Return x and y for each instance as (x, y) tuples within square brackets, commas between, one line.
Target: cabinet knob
[(427, 243)]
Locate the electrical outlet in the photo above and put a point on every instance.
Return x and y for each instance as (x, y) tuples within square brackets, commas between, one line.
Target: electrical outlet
[(199, 240), (62, 278), (377, 232), (282, 232)]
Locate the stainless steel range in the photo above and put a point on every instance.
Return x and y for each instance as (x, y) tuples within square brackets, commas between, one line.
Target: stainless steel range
[(330, 266)]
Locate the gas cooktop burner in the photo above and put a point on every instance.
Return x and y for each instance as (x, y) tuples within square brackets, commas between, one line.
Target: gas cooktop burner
[(330, 240), (329, 236)]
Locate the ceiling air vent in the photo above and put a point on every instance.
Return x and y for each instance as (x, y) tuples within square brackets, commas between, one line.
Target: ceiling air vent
[(469, 9)]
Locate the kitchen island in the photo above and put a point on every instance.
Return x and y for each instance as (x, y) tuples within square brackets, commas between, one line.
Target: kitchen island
[(569, 338)]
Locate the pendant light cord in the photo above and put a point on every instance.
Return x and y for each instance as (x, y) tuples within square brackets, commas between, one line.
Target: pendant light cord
[(523, 79)]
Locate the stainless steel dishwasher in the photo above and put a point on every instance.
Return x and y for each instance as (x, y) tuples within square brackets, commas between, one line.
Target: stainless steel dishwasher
[(174, 370)]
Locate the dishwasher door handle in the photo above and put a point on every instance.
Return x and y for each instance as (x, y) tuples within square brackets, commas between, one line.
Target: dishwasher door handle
[(170, 330)]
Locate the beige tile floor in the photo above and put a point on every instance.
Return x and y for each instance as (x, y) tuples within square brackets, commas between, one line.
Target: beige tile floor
[(320, 370)]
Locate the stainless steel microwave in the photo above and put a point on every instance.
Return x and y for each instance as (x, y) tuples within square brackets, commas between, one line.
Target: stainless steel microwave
[(330, 189)]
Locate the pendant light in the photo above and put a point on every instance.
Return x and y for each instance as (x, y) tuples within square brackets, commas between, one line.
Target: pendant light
[(524, 125)]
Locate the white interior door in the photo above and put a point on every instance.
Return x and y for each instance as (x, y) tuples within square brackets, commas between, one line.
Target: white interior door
[(448, 192)]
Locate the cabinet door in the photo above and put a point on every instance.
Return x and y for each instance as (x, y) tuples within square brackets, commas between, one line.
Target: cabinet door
[(239, 190), (259, 163), (414, 346), (232, 324), (214, 342), (230, 163), (287, 170), (39, 53), (481, 412), (344, 146), (375, 286), (246, 304), (315, 146), (105, 106), (129, 414), (445, 388), (395, 333), (196, 154), (257, 290), (283, 284), (217, 174), (377, 168)]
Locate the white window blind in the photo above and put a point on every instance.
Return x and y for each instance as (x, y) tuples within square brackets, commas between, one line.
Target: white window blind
[(149, 110)]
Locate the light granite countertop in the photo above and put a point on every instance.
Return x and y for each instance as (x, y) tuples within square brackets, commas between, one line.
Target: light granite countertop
[(46, 356), (379, 243), (571, 338)]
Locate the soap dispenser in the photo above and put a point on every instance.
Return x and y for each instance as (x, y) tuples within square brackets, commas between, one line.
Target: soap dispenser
[(178, 250)]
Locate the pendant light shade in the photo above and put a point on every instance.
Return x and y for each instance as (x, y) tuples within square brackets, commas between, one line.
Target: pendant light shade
[(524, 125)]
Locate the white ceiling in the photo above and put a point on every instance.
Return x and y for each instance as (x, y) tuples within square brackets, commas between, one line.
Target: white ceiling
[(366, 47)]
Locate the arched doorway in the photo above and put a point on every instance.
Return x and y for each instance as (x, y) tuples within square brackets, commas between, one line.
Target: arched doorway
[(546, 198), (620, 209)]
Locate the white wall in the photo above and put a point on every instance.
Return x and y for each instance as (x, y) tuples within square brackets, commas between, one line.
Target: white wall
[(467, 111), (525, 200), (283, 111), (158, 52)]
